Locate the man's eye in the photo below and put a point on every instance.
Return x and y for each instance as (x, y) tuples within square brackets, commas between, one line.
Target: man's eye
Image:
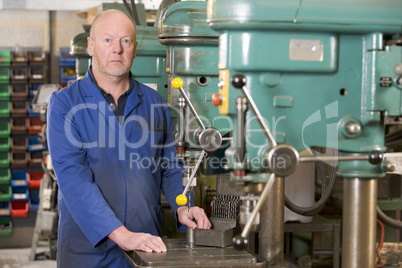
[(126, 41), (107, 40)]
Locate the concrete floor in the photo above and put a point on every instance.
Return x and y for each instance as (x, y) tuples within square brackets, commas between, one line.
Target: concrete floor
[(19, 258)]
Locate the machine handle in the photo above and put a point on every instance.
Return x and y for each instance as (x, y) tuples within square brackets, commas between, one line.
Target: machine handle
[(181, 199), (374, 157), (178, 84), (240, 241), (239, 81)]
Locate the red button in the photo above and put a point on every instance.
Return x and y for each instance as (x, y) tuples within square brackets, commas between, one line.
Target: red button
[(216, 99)]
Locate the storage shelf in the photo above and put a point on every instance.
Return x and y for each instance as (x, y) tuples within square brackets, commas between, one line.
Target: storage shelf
[(20, 149)]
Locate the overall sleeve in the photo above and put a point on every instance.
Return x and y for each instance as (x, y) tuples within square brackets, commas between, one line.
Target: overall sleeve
[(173, 169), (81, 195)]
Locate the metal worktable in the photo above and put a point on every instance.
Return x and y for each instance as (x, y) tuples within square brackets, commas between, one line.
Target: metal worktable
[(180, 255)]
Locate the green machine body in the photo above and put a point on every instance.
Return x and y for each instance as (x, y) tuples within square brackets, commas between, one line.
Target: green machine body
[(192, 56), (320, 74)]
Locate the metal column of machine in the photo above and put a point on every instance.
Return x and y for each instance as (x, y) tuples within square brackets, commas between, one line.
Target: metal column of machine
[(324, 80)]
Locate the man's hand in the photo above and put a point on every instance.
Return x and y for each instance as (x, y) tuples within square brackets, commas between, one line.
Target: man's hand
[(137, 241), (187, 216)]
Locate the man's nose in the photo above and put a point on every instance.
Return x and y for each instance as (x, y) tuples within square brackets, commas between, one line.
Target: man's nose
[(117, 48)]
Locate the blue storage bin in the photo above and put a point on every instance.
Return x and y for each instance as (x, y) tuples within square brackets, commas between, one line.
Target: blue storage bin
[(34, 145), (66, 59), (34, 195), (19, 179), (32, 113), (19, 194), (33, 88), (33, 206)]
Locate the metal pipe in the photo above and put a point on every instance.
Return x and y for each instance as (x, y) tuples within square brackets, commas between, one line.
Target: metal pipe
[(345, 157), (359, 222), (241, 106), (50, 44), (190, 105), (135, 13), (271, 242), (259, 117), (181, 119), (332, 158), (259, 205), (190, 237)]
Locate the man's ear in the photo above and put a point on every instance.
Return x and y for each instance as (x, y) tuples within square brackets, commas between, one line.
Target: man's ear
[(90, 43), (135, 49)]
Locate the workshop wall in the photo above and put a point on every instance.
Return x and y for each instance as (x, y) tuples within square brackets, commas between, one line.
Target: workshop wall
[(30, 29)]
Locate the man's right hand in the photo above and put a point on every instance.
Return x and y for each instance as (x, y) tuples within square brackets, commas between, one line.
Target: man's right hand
[(137, 241)]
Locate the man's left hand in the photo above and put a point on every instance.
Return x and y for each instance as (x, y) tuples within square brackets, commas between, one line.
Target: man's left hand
[(186, 217)]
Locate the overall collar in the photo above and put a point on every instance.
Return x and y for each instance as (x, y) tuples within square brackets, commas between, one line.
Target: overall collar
[(93, 94)]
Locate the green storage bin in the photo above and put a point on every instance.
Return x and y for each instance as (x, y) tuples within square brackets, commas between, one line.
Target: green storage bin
[(6, 226), (5, 91), (5, 58), (5, 144), (5, 128), (5, 176), (5, 193), (4, 159), (4, 74), (5, 108)]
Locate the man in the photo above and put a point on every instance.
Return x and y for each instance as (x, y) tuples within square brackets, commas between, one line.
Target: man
[(111, 143)]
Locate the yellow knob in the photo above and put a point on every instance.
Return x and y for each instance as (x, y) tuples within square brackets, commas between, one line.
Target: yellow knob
[(181, 200), (177, 83)]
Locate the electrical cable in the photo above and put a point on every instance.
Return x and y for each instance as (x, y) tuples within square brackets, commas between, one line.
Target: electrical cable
[(325, 194), (379, 263), (393, 136), (388, 220), (393, 143)]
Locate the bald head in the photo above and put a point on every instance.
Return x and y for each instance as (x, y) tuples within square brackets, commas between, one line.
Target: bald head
[(107, 14)]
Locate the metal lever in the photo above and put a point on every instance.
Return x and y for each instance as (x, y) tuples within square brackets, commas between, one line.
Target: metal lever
[(178, 83), (239, 81), (240, 241), (181, 199), (374, 157)]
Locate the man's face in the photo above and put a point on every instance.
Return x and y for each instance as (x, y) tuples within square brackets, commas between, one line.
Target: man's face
[(113, 46)]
